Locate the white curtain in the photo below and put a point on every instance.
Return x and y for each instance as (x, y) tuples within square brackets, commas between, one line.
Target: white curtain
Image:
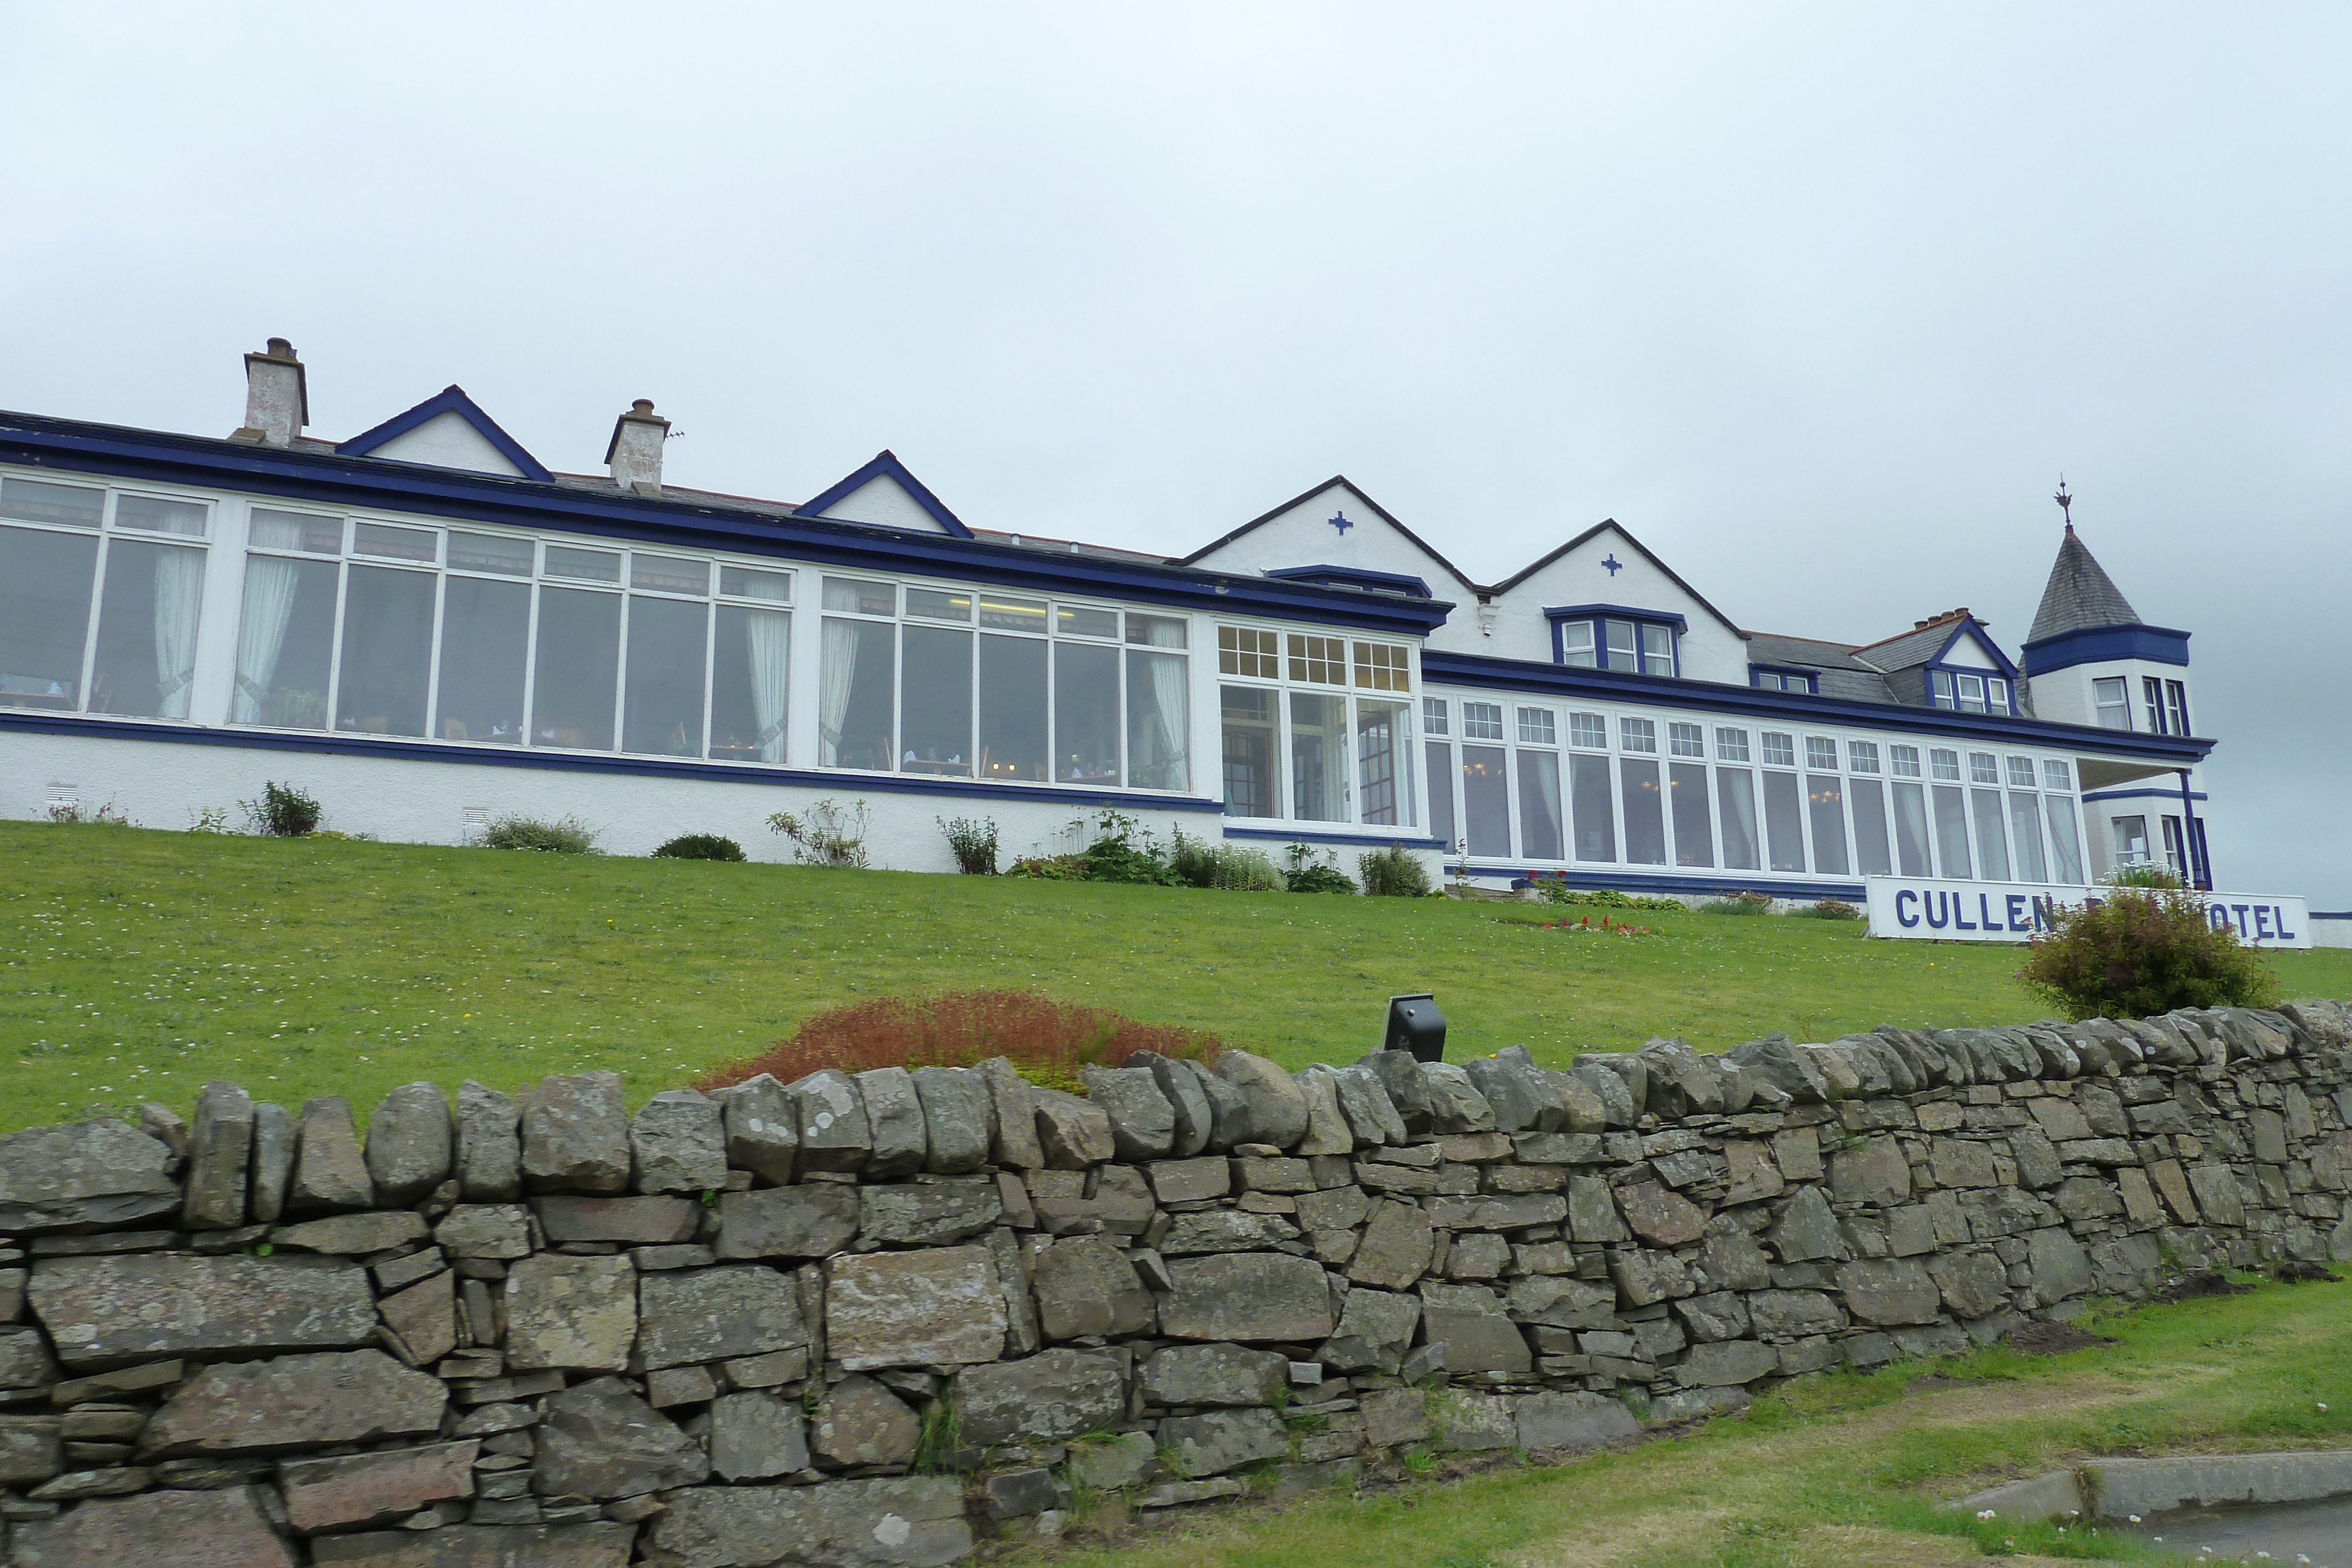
[(1167, 675), (269, 605), (179, 594), (1547, 787), (768, 638), (840, 668)]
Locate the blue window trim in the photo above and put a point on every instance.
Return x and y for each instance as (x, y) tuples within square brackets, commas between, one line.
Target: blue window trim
[(2173, 794), (1974, 632), (1812, 679), (1369, 839), (448, 399), (110, 452), (579, 762), (2100, 645), (1559, 615), (1699, 882), (886, 464), (1356, 576), (1439, 668), (1934, 668)]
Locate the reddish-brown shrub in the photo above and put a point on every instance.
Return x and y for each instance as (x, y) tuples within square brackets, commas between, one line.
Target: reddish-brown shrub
[(1048, 1040)]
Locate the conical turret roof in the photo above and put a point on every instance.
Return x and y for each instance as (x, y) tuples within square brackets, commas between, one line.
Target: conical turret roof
[(2080, 594)]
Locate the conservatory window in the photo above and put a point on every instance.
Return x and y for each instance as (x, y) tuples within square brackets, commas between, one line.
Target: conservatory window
[(1247, 651), (1319, 660), (1085, 714), (1731, 745), (1383, 667), (1861, 756), (1821, 753), (1250, 749), (1481, 721), (1588, 729), (1319, 757), (1780, 750), (1537, 728), (1638, 734), (1433, 715), (1686, 740), (1903, 761)]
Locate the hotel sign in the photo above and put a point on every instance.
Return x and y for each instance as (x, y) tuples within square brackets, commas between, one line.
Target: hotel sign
[(1924, 909)]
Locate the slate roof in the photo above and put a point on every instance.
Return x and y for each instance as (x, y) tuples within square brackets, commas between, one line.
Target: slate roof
[(1840, 674), (2080, 594), (1916, 646)]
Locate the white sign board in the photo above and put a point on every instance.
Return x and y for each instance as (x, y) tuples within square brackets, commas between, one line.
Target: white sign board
[(1924, 909)]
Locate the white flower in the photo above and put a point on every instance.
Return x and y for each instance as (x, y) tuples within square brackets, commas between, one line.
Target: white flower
[(2134, 1518), (1983, 1514)]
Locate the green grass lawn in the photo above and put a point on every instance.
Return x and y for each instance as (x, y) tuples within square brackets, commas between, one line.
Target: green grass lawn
[(1843, 1471), (140, 964)]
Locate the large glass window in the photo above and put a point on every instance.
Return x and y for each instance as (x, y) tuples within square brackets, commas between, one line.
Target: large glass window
[(147, 627), (1686, 787), (60, 505), (1784, 831), (1992, 835), (2025, 834), (386, 659), (1645, 811), (1735, 797), (45, 591), (751, 665), (1438, 769), (2065, 842), (1825, 803), (1539, 803), (1912, 858), (286, 644), (1158, 713), (1591, 811), (1383, 778), (1872, 852), (1012, 706), (1486, 798), (1952, 832), (661, 707), (857, 694), (1319, 757), (935, 715), (577, 672), (1250, 749), (485, 635), (1086, 714)]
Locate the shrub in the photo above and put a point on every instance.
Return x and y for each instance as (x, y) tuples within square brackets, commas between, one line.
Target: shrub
[(2143, 951), (283, 811), (565, 836), (1557, 892), (827, 835), (1828, 909), (1051, 868), (1307, 874), (209, 820), (1392, 872), (1048, 1040), (105, 816), (1232, 868), (1738, 904), (701, 847), (2142, 876), (974, 844), (1124, 850)]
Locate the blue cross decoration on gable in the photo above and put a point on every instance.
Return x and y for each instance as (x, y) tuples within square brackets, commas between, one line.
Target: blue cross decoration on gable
[(1614, 564), (1341, 522)]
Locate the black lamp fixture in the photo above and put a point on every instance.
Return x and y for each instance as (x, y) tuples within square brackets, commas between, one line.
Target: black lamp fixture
[(1415, 1025)]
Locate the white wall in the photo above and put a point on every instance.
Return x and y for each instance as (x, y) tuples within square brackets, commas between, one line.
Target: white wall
[(448, 441), (1711, 651), (2065, 698), (1303, 535), (882, 502)]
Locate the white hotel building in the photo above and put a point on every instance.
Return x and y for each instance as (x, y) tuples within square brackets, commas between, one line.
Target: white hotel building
[(427, 628)]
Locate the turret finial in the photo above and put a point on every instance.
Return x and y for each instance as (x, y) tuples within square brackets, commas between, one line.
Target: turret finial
[(2065, 502)]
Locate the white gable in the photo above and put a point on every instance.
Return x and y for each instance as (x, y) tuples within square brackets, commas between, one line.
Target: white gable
[(448, 441), (1305, 534), (1968, 653), (884, 503), (1606, 568)]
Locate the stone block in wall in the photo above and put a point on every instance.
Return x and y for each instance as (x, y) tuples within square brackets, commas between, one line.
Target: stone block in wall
[(1806, 1230), (911, 1522), (1142, 1123), (1793, 1314), (1729, 1259), (1333, 1208), (1680, 1084), (1498, 1211), (1661, 1216), (1399, 1243), (1561, 1420), (1122, 1199), (587, 1543), (352, 1489), (409, 1143), (1049, 1397), (1012, 1108), (1221, 1440), (2219, 1195), (1185, 1088), (272, 1169), (937, 1306), (834, 1135), (894, 1118), (959, 1119), (1374, 1331), (353, 1235), (295, 1401), (2060, 1267), (1645, 1277), (926, 1214), (84, 1174), (1074, 1134), (226, 1529), (1370, 1111), (490, 1145), (762, 1127), (111, 1309), (499, 1231), (1475, 1423), (1779, 1063), (577, 1314), (1084, 1286), (1727, 1362), (1889, 1291), (1469, 1321), (1273, 1108), (1248, 1296), (755, 1436), (424, 1318), (861, 1422), (575, 1135), (220, 1154), (1328, 1132), (32, 1449), (1454, 1104), (1219, 1375), (600, 1440), (1718, 1314), (1401, 1077), (814, 1220), (1877, 1172), (1114, 1463), (329, 1171), (691, 1315), (1973, 1284), (1395, 1417), (677, 1142), (1559, 1301), (1190, 1180)]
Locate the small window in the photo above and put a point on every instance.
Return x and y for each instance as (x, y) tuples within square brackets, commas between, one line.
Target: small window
[(667, 574), (1943, 764), (1861, 756), (2131, 840), (2176, 703), (1984, 768), (1383, 667), (1481, 721), (1622, 654), (1903, 761), (299, 531), (2112, 699), (747, 583), (1083, 620), (587, 565), (1996, 694), (1588, 729), (857, 595), (1156, 631), (1657, 649), (1433, 716), (2057, 776), (1247, 651), (1780, 750), (1638, 734), (1971, 689), (2152, 690), (1821, 753), (1537, 727), (483, 552), (1001, 614), (1319, 660), (420, 545), (1576, 644), (1939, 687), (938, 604), (2020, 773), (67, 506), (1686, 740), (151, 514), (1731, 745)]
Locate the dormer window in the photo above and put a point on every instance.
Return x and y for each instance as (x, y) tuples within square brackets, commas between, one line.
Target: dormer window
[(1780, 678), (1967, 693), (1602, 637)]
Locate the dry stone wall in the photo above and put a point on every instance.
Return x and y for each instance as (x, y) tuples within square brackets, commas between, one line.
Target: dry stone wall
[(866, 1320)]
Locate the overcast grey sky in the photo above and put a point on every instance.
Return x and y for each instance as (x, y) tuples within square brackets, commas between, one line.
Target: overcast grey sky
[(1818, 300)]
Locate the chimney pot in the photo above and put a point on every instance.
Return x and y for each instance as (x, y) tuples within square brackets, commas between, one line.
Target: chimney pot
[(635, 452), (277, 396)]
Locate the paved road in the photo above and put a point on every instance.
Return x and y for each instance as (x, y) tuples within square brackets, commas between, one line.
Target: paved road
[(2318, 1532)]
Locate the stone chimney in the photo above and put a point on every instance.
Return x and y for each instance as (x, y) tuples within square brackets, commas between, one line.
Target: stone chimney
[(277, 396), (635, 452)]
